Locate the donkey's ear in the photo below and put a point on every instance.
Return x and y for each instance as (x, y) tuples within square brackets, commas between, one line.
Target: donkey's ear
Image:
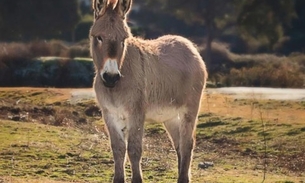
[(97, 6), (125, 6)]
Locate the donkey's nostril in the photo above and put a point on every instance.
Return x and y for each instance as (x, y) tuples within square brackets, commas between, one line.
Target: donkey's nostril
[(110, 79)]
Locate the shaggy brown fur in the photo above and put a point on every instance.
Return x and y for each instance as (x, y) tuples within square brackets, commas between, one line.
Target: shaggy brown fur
[(136, 80)]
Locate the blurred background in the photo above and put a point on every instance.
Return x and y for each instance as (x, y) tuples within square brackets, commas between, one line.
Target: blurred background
[(257, 43)]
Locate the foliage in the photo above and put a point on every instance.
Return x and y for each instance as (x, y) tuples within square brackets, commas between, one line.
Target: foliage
[(144, 24), (211, 13), (281, 31), (19, 65), (264, 77), (14, 51), (264, 26), (216, 15), (251, 26), (83, 27), (260, 70), (227, 69), (265, 20), (295, 39), (34, 19)]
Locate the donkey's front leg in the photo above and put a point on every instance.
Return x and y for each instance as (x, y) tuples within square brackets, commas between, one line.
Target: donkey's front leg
[(116, 128), (134, 146)]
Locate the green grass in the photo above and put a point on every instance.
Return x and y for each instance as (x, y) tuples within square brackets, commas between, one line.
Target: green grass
[(243, 138), (243, 131), (35, 152)]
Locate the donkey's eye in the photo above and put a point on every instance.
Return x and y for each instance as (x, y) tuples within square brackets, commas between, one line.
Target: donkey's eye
[(99, 39)]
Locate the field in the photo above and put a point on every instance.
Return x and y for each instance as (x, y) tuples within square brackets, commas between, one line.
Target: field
[(49, 135)]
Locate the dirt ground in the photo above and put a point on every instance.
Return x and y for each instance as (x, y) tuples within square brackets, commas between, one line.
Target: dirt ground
[(245, 139)]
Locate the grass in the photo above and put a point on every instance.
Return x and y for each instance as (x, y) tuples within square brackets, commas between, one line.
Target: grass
[(35, 150), (230, 133)]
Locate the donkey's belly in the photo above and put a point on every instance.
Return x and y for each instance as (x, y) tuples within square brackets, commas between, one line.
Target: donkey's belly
[(162, 114)]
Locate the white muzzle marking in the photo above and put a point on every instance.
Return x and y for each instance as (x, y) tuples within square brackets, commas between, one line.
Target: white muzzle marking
[(110, 67)]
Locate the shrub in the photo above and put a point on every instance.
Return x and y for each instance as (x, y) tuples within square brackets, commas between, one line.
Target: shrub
[(10, 52), (221, 55), (267, 70), (39, 48), (263, 77), (15, 57), (78, 51), (11, 56), (227, 68), (58, 48)]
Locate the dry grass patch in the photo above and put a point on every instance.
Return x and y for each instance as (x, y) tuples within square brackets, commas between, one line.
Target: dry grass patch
[(228, 134)]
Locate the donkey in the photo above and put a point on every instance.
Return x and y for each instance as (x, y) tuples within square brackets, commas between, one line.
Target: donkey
[(136, 80)]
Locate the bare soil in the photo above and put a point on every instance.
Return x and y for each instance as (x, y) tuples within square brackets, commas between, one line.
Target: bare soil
[(245, 139)]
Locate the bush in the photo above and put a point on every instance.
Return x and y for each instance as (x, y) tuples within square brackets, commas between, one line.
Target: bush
[(228, 69), (39, 48), (18, 66), (11, 56), (266, 71), (263, 77), (259, 70), (221, 59), (82, 30), (10, 52), (78, 51)]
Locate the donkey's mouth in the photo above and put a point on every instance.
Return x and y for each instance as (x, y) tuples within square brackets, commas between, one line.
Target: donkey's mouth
[(110, 80), (109, 85)]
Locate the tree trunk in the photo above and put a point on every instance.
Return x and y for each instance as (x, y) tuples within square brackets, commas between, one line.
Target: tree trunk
[(208, 50), (211, 28), (73, 35)]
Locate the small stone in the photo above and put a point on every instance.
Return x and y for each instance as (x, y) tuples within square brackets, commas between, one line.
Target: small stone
[(205, 165)]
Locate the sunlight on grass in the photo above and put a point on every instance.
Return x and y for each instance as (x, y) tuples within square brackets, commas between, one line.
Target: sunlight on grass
[(230, 133)]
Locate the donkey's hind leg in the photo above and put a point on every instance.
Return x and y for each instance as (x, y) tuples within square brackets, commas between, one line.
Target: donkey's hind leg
[(173, 129), (181, 132), (134, 147), (186, 145)]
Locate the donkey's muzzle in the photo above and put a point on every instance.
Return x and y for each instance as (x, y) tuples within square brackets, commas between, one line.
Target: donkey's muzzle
[(110, 80)]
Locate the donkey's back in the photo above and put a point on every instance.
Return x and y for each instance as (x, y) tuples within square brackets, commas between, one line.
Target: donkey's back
[(173, 71), (138, 80)]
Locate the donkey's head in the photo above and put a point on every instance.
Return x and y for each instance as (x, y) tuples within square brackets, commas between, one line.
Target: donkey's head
[(108, 35)]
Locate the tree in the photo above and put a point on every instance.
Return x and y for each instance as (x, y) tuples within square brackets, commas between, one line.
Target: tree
[(294, 40), (215, 15), (32, 19), (265, 19)]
